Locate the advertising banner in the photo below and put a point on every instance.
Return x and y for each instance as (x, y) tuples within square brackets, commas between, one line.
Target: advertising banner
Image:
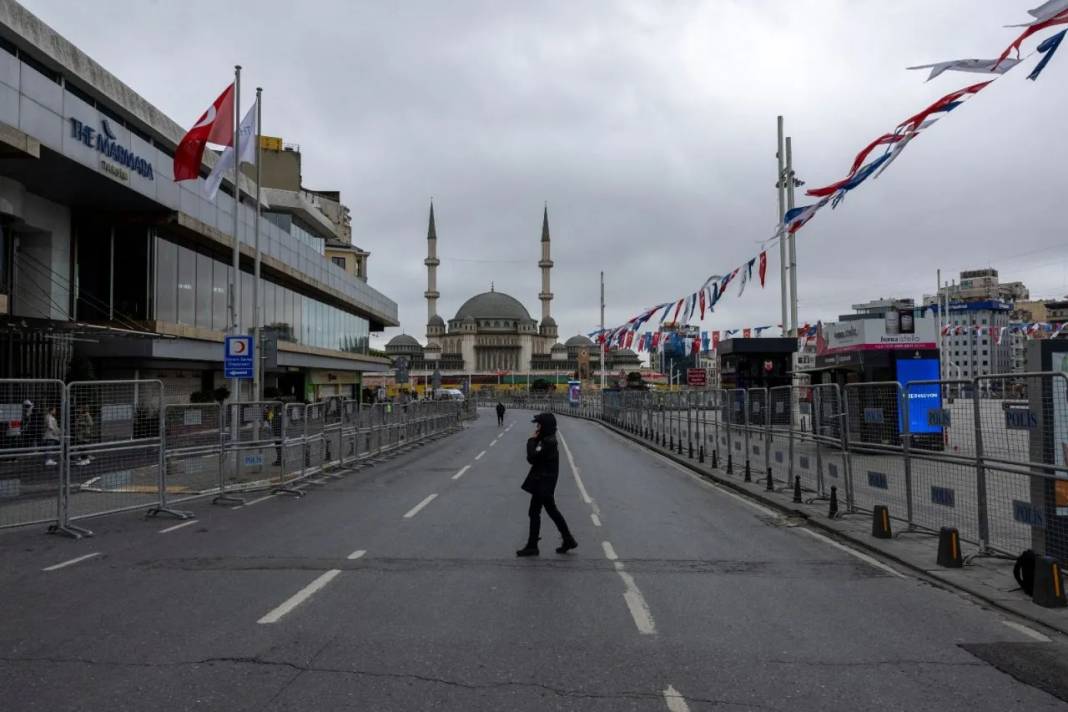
[(922, 399), (902, 330)]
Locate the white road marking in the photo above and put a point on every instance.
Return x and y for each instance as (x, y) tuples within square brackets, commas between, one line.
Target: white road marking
[(639, 609), (178, 526), (609, 552), (675, 702), (316, 482), (357, 554), (300, 597), (575, 472), (596, 519), (852, 552), (460, 474), (53, 567), (252, 502), (415, 510), (1030, 633), (479, 455), (493, 442)]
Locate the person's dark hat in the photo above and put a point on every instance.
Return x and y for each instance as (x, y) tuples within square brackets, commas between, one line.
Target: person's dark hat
[(545, 420)]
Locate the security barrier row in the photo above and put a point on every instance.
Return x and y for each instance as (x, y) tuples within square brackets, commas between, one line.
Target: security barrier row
[(987, 456), (85, 449)]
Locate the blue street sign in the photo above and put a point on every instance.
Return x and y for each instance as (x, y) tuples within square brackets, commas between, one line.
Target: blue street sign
[(238, 357)]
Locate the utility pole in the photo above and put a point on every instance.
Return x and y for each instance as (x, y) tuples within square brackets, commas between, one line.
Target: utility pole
[(235, 282), (780, 184), (790, 183), (257, 319), (601, 339)]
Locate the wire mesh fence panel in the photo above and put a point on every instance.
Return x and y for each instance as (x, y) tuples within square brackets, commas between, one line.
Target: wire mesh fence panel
[(349, 435), (193, 450), (31, 469), (294, 444), (316, 448), (117, 466), (781, 423), (828, 430), (873, 427), (254, 432), (736, 418), (332, 421), (805, 449)]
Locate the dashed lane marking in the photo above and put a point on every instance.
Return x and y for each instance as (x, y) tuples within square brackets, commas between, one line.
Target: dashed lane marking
[(253, 501), (479, 455), (639, 609), (493, 442), (1030, 633), (460, 474), (575, 471), (178, 526), (416, 509), (300, 597), (358, 554), (609, 552), (675, 702), (852, 552), (70, 562), (595, 519)]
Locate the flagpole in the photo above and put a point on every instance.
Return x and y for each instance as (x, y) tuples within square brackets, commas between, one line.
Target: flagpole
[(791, 236), (780, 184), (235, 285), (601, 337), (257, 318)]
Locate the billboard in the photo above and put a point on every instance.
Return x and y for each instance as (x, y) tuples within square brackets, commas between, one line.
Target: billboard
[(696, 377), (922, 400), (574, 392), (896, 330)]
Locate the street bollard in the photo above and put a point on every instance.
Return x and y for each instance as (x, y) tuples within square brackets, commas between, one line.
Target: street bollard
[(748, 473), (730, 463), (769, 484), (691, 450), (832, 513), (880, 522), (949, 554), (797, 489), (701, 454), (1049, 589), (715, 458)]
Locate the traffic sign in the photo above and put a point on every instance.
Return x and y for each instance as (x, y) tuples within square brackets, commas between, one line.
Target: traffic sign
[(238, 357), (696, 377)]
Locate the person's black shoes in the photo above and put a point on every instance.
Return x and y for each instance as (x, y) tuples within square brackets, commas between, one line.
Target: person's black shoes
[(567, 545), (527, 551)]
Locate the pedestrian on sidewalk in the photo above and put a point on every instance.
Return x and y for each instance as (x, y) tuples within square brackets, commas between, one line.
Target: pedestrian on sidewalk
[(83, 435), (500, 414), (53, 438), (544, 459)]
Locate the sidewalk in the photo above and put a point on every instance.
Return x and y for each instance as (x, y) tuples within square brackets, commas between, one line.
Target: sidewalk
[(987, 579)]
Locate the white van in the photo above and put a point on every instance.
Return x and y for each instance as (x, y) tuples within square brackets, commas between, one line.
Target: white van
[(449, 394)]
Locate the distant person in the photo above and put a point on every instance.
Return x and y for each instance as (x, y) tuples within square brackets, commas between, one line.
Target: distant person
[(52, 436), (500, 414), (83, 435), (274, 428), (544, 459)]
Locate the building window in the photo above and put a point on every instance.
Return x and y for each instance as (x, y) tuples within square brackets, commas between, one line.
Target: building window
[(339, 261)]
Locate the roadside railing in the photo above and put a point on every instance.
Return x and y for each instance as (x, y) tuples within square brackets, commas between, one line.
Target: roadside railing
[(72, 452)]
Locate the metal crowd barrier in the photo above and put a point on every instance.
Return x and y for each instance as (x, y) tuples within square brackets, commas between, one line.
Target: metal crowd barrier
[(86, 449)]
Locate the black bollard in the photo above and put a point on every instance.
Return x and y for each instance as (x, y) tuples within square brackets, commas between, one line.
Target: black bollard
[(1049, 588), (949, 554), (671, 442), (715, 458), (730, 463), (880, 522), (679, 451), (797, 489), (748, 473), (701, 454), (691, 449), (769, 485), (832, 513)]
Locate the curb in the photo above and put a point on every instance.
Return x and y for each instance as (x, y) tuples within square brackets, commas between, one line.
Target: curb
[(833, 532)]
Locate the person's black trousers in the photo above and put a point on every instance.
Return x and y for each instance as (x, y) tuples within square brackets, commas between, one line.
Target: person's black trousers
[(549, 503), (500, 420)]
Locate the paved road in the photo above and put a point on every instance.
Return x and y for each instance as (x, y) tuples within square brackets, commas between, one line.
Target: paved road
[(397, 588)]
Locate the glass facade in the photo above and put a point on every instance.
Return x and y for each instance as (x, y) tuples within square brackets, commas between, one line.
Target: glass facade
[(191, 289)]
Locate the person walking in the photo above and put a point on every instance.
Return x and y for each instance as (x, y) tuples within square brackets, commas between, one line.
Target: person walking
[(500, 414), (53, 438), (544, 459)]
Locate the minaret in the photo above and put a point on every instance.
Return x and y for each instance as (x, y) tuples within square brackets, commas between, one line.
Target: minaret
[(432, 262), (548, 325)]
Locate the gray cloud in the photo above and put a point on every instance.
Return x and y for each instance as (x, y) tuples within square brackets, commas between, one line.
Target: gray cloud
[(648, 127)]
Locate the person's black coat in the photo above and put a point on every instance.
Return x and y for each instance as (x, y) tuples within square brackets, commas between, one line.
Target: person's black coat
[(500, 410), (544, 459)]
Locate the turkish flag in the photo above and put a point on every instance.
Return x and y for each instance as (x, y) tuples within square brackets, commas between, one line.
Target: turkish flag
[(715, 340), (746, 333), (696, 346), (763, 267), (216, 126)]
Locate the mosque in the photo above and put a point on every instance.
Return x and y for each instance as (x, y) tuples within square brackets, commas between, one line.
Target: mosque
[(493, 334)]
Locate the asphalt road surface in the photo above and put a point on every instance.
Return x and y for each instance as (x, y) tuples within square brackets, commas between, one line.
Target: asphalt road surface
[(397, 588)]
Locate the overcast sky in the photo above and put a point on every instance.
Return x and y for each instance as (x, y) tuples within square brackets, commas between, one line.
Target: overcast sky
[(649, 127)]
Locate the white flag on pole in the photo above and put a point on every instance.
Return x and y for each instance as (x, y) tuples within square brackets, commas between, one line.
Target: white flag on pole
[(225, 164), (978, 66)]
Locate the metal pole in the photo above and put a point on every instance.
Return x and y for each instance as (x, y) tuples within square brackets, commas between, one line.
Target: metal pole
[(601, 338), (938, 323), (791, 237), (235, 284), (780, 184), (257, 318)]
